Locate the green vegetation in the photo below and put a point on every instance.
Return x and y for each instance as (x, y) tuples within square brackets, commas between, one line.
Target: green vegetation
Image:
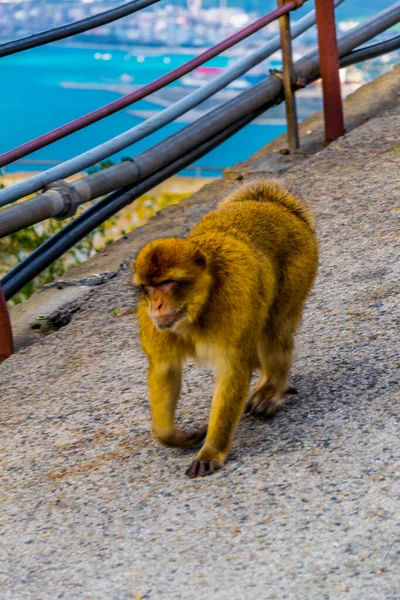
[(17, 246)]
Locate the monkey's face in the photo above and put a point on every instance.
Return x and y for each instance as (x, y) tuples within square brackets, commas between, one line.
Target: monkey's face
[(174, 280), (165, 302)]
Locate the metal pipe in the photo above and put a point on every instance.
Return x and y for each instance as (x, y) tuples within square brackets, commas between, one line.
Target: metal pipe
[(61, 199), (59, 33), (329, 66), (98, 153), (35, 210), (371, 51), (146, 90), (6, 341), (288, 79)]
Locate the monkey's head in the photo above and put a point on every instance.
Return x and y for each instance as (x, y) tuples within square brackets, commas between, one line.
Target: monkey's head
[(175, 281)]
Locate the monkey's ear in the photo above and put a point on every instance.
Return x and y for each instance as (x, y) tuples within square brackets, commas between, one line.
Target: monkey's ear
[(199, 258)]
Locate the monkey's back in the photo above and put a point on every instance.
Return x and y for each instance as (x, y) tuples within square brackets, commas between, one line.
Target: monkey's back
[(271, 229)]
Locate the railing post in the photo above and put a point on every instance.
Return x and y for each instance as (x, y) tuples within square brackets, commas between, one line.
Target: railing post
[(6, 344), (288, 78), (329, 67)]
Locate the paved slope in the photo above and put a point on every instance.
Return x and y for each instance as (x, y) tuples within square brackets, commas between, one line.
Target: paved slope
[(91, 507)]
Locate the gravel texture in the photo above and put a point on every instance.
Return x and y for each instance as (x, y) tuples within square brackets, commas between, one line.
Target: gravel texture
[(308, 504)]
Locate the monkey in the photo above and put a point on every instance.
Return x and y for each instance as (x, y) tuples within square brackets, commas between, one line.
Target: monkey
[(230, 295)]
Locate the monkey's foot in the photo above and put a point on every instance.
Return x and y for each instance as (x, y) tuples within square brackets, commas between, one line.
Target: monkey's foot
[(201, 468), (266, 400), (259, 404), (182, 439)]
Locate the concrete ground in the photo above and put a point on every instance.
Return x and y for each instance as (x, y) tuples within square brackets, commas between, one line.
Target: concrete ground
[(307, 506)]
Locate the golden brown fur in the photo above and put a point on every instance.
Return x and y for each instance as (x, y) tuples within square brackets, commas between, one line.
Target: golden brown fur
[(230, 295)]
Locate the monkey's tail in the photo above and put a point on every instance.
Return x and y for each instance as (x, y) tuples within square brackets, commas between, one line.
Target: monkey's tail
[(269, 190)]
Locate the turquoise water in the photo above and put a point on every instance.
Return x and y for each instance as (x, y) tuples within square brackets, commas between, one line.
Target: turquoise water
[(33, 102)]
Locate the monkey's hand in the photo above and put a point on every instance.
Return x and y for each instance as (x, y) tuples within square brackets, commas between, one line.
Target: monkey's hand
[(201, 468), (226, 410), (165, 385)]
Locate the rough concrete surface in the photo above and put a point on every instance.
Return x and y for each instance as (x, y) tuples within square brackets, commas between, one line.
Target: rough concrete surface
[(307, 506)]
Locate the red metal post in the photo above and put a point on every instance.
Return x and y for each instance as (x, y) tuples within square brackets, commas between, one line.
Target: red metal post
[(6, 344), (329, 66)]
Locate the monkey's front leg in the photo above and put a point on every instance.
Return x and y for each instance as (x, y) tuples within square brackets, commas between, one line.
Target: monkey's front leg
[(164, 387), (226, 409)]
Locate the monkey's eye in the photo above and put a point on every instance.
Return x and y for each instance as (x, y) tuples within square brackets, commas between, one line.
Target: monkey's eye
[(167, 285), (166, 282)]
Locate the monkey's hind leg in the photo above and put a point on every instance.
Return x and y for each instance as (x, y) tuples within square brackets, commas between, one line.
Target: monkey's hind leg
[(275, 357), (164, 387)]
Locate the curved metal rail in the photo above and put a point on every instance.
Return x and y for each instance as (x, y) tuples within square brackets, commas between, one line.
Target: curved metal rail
[(371, 51), (60, 33)]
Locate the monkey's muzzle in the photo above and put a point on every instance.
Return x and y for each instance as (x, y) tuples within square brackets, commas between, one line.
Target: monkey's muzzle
[(168, 320)]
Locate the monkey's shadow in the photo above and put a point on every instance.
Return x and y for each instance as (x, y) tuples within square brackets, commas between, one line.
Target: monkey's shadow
[(324, 398)]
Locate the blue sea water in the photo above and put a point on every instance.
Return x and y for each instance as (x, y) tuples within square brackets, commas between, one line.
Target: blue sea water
[(33, 102)]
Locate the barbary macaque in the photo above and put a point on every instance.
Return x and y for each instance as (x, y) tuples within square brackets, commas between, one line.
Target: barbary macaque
[(230, 295)]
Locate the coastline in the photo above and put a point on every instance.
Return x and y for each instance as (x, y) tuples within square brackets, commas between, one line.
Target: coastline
[(149, 50)]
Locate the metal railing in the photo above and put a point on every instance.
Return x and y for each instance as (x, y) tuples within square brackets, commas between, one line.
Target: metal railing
[(154, 123), (126, 181), (146, 90)]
